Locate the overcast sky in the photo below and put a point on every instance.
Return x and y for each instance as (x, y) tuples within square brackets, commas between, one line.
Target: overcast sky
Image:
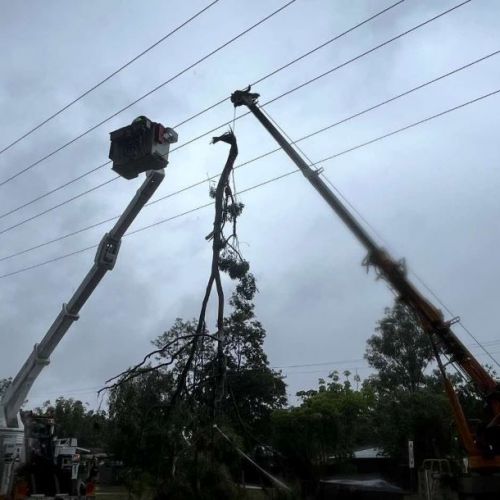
[(431, 192)]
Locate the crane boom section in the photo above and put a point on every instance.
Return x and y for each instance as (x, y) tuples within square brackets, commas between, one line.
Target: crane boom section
[(395, 274), (104, 261)]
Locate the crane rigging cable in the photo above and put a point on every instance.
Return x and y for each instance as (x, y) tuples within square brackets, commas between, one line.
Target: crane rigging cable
[(323, 160), (5, 181), (328, 127), (104, 80), (147, 94), (272, 73)]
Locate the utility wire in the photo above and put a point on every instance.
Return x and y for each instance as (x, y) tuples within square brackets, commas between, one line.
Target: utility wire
[(247, 113), (322, 75), (326, 364), (274, 72), (294, 61), (443, 305), (158, 87), (483, 348), (326, 159), (114, 73), (54, 207), (328, 127)]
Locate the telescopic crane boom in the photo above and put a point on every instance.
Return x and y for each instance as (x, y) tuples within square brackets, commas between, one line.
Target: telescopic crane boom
[(483, 444)]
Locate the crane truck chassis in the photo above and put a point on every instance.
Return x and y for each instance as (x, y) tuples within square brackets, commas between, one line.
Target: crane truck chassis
[(142, 146)]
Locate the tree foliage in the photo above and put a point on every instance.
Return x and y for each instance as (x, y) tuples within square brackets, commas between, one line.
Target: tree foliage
[(4, 383), (328, 425), (399, 350), (409, 399), (167, 442), (74, 419)]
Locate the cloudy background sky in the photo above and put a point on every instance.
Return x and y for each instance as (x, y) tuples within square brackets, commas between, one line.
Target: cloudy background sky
[(431, 192)]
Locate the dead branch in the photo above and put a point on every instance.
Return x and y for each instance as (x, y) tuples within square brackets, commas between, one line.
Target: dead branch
[(223, 195)]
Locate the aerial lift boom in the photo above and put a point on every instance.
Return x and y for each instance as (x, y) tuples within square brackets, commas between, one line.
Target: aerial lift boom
[(104, 261), (483, 444), (144, 144)]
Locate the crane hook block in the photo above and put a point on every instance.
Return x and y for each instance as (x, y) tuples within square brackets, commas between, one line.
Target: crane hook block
[(142, 145), (241, 97)]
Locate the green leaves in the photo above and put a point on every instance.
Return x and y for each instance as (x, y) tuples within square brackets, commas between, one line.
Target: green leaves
[(232, 265), (329, 424), (400, 351), (4, 383), (74, 419)]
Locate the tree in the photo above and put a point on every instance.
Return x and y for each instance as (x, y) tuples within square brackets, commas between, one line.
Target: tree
[(4, 383), (136, 411), (409, 401), (201, 378), (73, 419), (328, 425), (400, 350), (253, 390), (173, 446)]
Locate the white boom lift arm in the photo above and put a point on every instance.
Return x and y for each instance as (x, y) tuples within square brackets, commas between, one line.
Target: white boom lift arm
[(104, 261), (153, 155)]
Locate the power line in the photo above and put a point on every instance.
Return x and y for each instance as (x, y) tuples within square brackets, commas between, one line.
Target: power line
[(373, 49), (305, 365), (158, 87), (54, 207), (323, 371), (344, 120), (315, 78), (294, 61), (328, 158), (322, 75), (268, 153), (274, 72), (326, 364), (481, 346), (114, 73)]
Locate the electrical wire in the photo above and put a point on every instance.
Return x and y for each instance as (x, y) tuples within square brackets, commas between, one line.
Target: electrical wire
[(328, 158), (479, 344), (294, 61), (276, 98), (322, 75), (155, 89), (58, 205), (326, 364), (274, 72), (328, 127), (443, 305), (114, 73), (268, 153)]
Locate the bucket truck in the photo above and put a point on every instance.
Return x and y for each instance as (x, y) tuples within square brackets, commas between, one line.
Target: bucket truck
[(141, 146), (481, 441)]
